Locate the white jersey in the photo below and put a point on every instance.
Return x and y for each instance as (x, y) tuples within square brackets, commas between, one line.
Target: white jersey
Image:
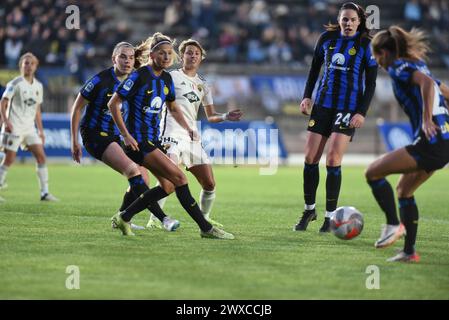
[(23, 100), (191, 92)]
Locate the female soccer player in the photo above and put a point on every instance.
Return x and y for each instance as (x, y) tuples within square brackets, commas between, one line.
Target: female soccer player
[(21, 110), (191, 92), (422, 98), (101, 136), (341, 103), (146, 90)]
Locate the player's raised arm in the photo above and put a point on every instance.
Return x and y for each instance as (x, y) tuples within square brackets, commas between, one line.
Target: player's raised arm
[(214, 116)]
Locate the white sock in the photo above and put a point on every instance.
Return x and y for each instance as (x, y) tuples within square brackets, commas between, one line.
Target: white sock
[(42, 174), (329, 214), (309, 206), (207, 199), (3, 172)]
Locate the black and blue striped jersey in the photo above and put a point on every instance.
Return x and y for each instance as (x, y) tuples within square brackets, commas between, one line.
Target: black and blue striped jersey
[(98, 91), (410, 99), (146, 93), (345, 59)]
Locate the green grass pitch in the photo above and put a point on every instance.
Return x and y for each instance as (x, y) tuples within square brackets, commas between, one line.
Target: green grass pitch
[(266, 261)]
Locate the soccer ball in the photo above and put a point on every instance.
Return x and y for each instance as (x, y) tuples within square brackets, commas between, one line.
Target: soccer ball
[(346, 223)]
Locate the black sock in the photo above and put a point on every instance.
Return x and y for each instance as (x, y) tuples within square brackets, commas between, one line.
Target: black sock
[(333, 184), (143, 201), (189, 204), (409, 217), (138, 187), (384, 195), (311, 175), (128, 198)]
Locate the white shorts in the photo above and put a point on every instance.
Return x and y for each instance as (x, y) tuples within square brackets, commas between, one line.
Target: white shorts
[(189, 153), (12, 141)]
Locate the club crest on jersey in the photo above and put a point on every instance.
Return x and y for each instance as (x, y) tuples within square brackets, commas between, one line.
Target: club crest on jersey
[(352, 51), (128, 84), (200, 87), (339, 59), (192, 97), (166, 90)]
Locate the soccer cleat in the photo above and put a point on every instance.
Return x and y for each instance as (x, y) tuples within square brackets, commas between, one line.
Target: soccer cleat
[(404, 257), (154, 223), (170, 224), (214, 223), (307, 216), (49, 197), (216, 233), (326, 227), (118, 223), (389, 234), (133, 226)]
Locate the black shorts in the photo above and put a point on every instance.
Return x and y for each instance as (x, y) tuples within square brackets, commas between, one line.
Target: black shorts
[(144, 149), (429, 157), (96, 142), (324, 121)]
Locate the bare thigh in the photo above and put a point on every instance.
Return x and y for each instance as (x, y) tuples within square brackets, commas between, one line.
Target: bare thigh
[(115, 157), (337, 146), (398, 161), (314, 147)]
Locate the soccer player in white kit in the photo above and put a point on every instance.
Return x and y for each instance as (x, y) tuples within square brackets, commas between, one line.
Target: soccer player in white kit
[(192, 91), (20, 108)]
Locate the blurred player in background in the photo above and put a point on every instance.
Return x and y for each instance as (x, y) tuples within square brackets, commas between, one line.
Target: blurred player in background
[(101, 137), (192, 91), (146, 90), (20, 109), (340, 106), (422, 98)]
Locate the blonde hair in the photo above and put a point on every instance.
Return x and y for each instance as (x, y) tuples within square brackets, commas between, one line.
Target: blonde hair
[(120, 45), (191, 42), (28, 55), (142, 53), (403, 44)]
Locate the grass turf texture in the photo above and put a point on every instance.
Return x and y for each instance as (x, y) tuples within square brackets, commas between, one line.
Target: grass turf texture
[(266, 261)]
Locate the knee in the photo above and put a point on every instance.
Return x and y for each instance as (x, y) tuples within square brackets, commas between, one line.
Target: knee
[(333, 159), (40, 159), (167, 186), (208, 185), (132, 170), (403, 192), (179, 179)]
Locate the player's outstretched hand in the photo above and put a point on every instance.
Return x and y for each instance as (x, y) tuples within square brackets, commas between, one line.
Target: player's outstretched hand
[(77, 152), (306, 106), (234, 115), (130, 142), (430, 129), (357, 121)]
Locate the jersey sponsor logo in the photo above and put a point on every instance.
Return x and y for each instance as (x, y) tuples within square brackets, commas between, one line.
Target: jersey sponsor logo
[(155, 107), (339, 59), (311, 123), (89, 86), (191, 96), (352, 51), (29, 102), (128, 84)]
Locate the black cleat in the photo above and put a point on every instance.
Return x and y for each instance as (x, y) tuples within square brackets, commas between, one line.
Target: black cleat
[(326, 227), (307, 216)]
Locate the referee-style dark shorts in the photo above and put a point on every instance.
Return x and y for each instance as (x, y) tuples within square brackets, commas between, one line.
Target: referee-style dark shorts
[(145, 148), (324, 121), (96, 142), (430, 157)]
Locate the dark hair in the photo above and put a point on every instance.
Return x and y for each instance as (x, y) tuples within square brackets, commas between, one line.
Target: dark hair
[(403, 44), (362, 28)]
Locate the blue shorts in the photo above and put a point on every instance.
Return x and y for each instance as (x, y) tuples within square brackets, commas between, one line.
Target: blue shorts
[(324, 121), (429, 157)]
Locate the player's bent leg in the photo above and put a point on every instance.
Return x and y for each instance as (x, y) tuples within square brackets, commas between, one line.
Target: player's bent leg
[(153, 221), (204, 174), (10, 157)]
